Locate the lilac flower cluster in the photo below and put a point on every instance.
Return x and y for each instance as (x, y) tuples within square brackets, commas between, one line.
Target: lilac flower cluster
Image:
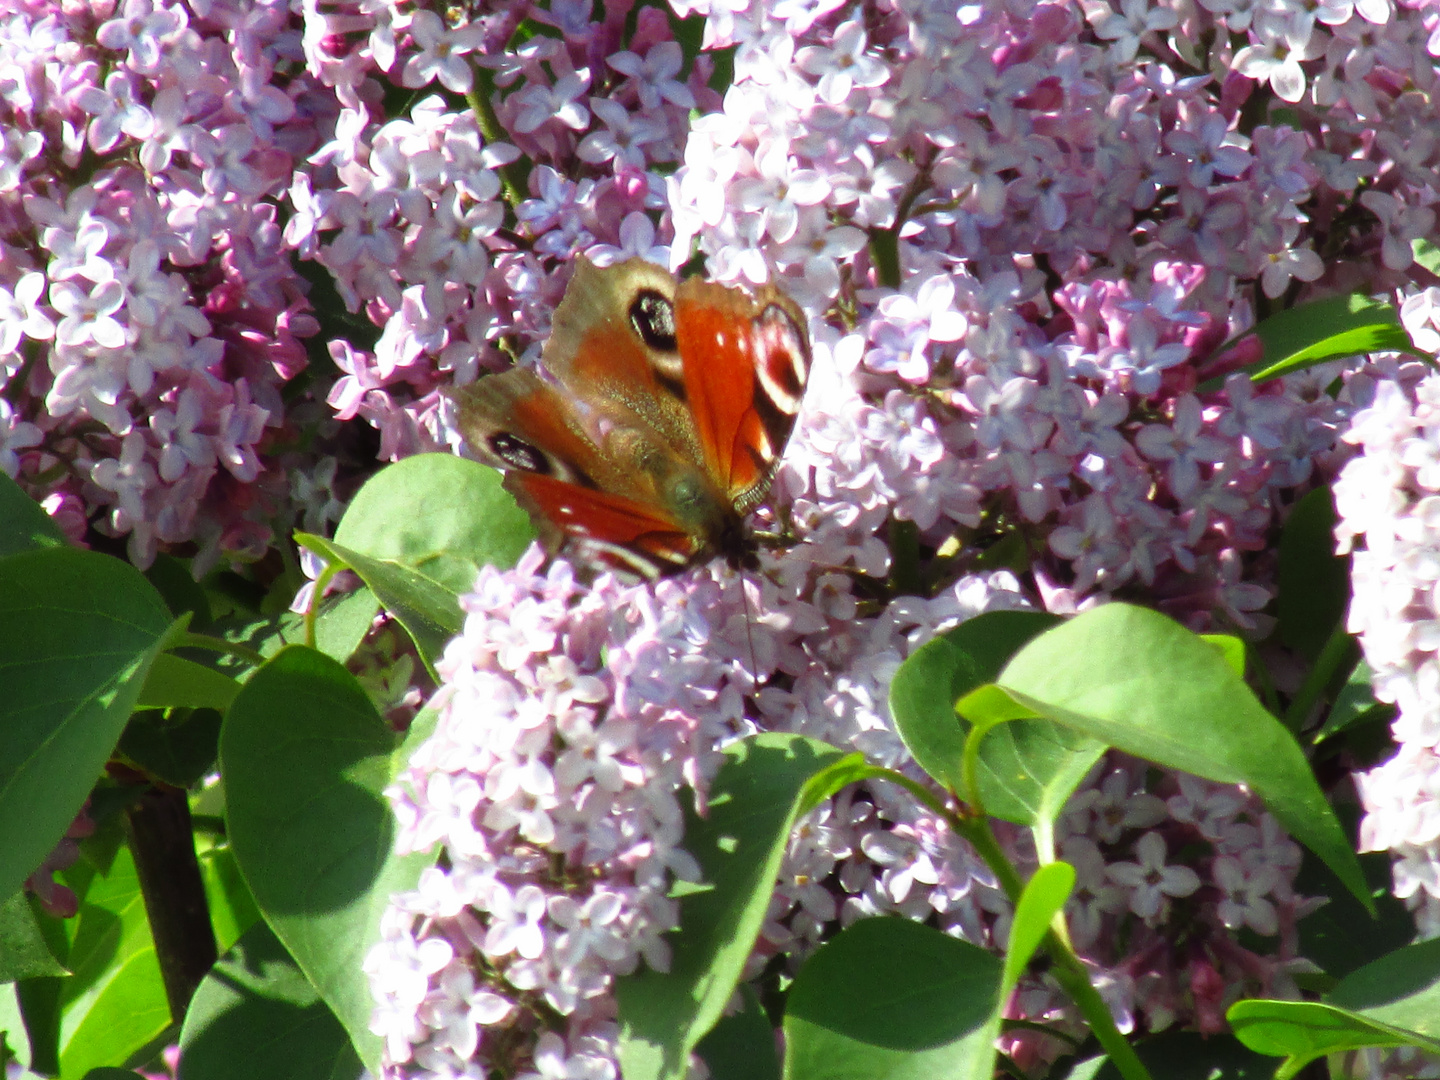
[(1389, 495), (418, 217), (1246, 882), (553, 786), (148, 310), (1065, 376), (1132, 903)]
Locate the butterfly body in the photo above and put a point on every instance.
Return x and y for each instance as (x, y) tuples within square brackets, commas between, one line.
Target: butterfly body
[(657, 422)]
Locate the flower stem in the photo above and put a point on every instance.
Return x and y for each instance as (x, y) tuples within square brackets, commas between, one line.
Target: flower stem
[(220, 645)]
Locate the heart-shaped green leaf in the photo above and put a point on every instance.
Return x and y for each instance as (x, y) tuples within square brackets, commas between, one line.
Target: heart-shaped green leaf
[(256, 1015), (23, 522), (1027, 771), (1139, 681), (306, 759), (892, 998)]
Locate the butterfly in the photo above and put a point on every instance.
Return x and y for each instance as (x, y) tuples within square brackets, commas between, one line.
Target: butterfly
[(657, 422)]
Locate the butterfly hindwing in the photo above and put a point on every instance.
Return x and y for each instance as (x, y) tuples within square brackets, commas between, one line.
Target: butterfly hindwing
[(605, 527), (518, 422)]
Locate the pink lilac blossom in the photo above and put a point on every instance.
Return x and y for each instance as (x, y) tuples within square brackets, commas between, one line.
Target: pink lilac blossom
[(554, 786), (148, 312), (1238, 872)]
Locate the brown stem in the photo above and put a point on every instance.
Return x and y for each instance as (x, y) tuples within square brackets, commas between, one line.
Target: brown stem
[(163, 843)]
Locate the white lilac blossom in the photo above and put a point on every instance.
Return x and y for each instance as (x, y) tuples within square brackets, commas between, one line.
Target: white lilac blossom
[(1388, 503)]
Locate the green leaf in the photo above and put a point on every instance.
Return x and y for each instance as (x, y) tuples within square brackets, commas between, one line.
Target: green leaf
[(232, 908), (1355, 704), (23, 952), (755, 799), (38, 1003), (926, 686), (443, 516), (181, 592), (1092, 1068), (114, 1004), (885, 255), (255, 1015), (890, 998), (306, 758), (178, 748), (1231, 648), (1342, 936), (106, 1072), (174, 681), (1401, 989), (13, 1036), (1043, 897), (266, 636), (340, 626), (24, 525), (78, 634), (1309, 334), (343, 623), (742, 1046), (1026, 771), (428, 609), (1139, 681), (418, 533), (1301, 1031), (1426, 254), (1314, 581)]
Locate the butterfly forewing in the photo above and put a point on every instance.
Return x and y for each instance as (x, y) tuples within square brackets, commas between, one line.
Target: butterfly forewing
[(612, 344), (746, 361)]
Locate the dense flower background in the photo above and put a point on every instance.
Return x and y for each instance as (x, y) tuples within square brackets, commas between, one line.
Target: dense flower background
[(1023, 232)]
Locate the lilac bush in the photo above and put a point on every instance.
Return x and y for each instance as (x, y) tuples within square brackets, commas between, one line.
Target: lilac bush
[(1029, 237)]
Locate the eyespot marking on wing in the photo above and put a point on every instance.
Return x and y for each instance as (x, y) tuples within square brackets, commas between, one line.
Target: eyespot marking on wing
[(653, 317), (519, 454), (784, 358)]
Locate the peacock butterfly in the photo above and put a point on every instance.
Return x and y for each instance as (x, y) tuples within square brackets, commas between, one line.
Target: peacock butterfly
[(658, 421)]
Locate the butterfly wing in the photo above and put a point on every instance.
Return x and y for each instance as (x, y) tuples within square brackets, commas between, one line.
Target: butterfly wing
[(521, 424), (607, 528), (613, 343), (746, 360)]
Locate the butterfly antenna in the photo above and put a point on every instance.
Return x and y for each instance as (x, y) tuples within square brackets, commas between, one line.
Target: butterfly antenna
[(749, 637)]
